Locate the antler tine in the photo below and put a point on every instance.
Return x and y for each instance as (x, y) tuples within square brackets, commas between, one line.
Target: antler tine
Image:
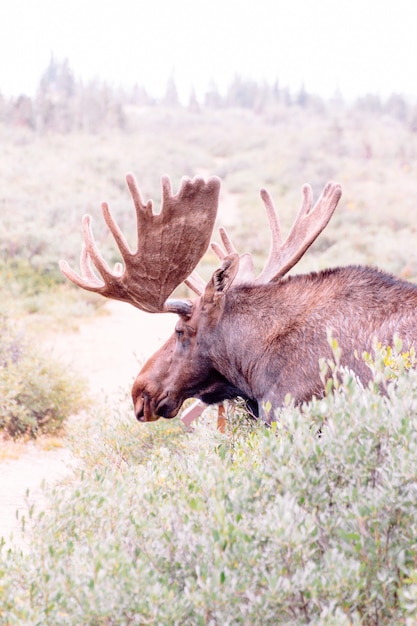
[(276, 238), (87, 280), (195, 283), (227, 243), (309, 223), (246, 271), (89, 251), (136, 195), (169, 246)]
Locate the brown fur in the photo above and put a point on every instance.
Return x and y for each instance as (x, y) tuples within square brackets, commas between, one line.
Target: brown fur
[(262, 342)]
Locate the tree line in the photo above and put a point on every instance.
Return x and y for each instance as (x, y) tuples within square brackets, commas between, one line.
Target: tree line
[(64, 103)]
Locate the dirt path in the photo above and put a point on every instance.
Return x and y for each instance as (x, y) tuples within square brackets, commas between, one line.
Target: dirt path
[(107, 351), (110, 349), (21, 482)]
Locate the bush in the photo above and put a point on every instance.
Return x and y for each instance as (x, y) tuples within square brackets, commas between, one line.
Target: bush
[(18, 278), (311, 521), (36, 393)]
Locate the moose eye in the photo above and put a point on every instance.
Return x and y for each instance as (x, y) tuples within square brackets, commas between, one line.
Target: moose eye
[(179, 332)]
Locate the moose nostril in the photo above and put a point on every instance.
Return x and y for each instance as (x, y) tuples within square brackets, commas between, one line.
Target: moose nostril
[(139, 410)]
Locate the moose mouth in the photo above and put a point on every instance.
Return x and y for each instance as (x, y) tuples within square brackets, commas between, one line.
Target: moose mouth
[(147, 410)]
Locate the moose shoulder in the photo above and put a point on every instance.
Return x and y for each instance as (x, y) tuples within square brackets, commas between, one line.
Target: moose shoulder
[(259, 338)]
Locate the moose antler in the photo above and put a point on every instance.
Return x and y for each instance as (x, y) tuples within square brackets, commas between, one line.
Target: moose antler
[(169, 246), (309, 223)]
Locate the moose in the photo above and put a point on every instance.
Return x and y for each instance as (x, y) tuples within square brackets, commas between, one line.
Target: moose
[(254, 337)]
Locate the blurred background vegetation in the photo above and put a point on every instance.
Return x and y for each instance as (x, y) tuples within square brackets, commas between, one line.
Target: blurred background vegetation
[(68, 148)]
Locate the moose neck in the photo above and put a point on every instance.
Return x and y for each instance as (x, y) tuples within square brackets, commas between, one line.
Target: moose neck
[(270, 338), (242, 346)]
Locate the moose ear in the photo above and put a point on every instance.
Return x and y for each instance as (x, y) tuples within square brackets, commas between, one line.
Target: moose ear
[(222, 279)]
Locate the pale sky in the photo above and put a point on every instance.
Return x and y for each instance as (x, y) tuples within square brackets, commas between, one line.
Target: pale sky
[(355, 46)]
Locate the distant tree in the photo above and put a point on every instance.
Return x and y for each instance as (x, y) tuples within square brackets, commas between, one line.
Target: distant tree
[(370, 102), (23, 112), (413, 119), (58, 77), (3, 108), (63, 104), (193, 105), (97, 106), (242, 93), (139, 96), (337, 101), (285, 97), (264, 98), (55, 97), (212, 98), (276, 91), (397, 107), (171, 94), (302, 98)]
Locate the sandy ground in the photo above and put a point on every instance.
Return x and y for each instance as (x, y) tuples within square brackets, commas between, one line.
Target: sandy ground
[(108, 351)]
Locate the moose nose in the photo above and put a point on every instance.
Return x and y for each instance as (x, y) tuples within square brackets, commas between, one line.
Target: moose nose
[(143, 410), (139, 410)]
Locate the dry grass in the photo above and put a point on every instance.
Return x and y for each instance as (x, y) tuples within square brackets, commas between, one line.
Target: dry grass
[(11, 449)]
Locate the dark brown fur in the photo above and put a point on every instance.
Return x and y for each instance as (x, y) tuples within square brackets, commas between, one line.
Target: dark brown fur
[(264, 342)]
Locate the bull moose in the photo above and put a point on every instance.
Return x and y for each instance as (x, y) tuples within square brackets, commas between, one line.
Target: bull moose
[(255, 337)]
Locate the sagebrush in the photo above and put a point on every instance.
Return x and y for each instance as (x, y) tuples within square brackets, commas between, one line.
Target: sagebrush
[(37, 393), (311, 521)]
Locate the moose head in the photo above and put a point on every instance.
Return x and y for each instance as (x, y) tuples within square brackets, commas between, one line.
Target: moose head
[(255, 337)]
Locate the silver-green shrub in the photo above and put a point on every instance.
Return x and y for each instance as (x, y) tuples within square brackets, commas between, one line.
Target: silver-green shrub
[(312, 521), (37, 393)]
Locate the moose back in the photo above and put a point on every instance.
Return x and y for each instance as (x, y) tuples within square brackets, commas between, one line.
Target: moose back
[(255, 337)]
